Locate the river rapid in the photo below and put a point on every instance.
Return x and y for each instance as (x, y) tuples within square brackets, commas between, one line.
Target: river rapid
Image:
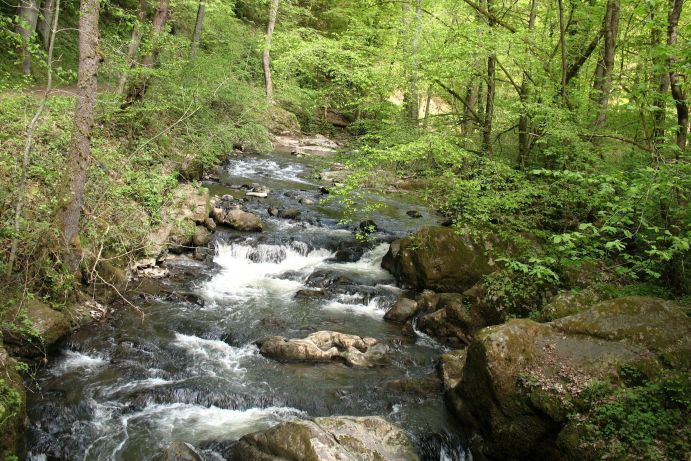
[(190, 371)]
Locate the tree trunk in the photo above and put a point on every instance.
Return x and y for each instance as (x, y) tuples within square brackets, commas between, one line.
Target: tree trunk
[(133, 47), (138, 90), (80, 144), (677, 79), (157, 27), (472, 96), (524, 117), (197, 35), (662, 77), (266, 58), (428, 104), (602, 83), (413, 90), (491, 87), (562, 43), (28, 144), (45, 22), (28, 17)]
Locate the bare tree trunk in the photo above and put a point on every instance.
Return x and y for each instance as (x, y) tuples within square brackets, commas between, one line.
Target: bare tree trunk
[(45, 22), (562, 42), (266, 58), (80, 144), (491, 88), (196, 37), (28, 17), (133, 46), (413, 90), (602, 83), (677, 80), (524, 118), (26, 158)]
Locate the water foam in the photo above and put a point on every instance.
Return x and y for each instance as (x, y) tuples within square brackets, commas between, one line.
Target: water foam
[(253, 272), (252, 167), (73, 360), (375, 308), (210, 356)]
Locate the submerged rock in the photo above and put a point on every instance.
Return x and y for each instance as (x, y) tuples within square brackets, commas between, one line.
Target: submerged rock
[(520, 378), (289, 213), (324, 346), (403, 310), (440, 259), (48, 324), (179, 451), (338, 438)]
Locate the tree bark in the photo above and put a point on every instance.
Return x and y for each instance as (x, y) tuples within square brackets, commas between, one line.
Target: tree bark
[(28, 18), (80, 144), (138, 90), (659, 106), (523, 94), (133, 46), (602, 82), (45, 22), (491, 88), (562, 44), (28, 144), (472, 95), (677, 79), (197, 35), (266, 58)]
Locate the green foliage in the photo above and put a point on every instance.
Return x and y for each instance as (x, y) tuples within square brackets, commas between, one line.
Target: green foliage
[(10, 404), (648, 420)]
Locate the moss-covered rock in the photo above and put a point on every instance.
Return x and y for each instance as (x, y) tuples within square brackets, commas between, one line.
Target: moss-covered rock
[(440, 259), (569, 303), (337, 438), (40, 327), (521, 379)]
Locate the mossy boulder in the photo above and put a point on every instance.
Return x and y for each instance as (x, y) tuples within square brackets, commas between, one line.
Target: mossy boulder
[(569, 303), (335, 438), (521, 379), (187, 207), (179, 451), (12, 405), (41, 327), (439, 259)]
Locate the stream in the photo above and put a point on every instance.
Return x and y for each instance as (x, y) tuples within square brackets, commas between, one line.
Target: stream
[(189, 371)]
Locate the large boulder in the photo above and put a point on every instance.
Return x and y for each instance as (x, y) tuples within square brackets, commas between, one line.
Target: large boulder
[(453, 320), (521, 378), (48, 326), (12, 405), (338, 438), (324, 346), (440, 259), (403, 310), (237, 219)]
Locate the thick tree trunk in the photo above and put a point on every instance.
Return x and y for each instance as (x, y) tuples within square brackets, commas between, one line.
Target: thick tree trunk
[(80, 144), (602, 83), (472, 95), (197, 35), (28, 18), (266, 58), (677, 79), (133, 46), (45, 22)]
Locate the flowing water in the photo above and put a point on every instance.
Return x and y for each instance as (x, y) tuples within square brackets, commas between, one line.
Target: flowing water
[(190, 371)]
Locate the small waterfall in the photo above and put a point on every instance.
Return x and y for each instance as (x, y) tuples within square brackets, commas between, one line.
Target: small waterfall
[(253, 271)]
